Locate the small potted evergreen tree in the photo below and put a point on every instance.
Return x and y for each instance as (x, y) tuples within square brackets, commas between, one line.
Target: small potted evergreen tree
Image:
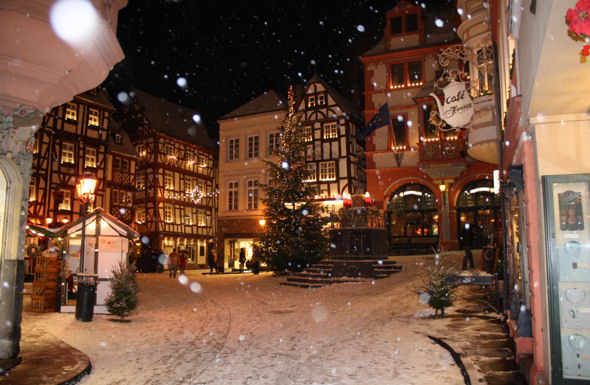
[(439, 286), (124, 288)]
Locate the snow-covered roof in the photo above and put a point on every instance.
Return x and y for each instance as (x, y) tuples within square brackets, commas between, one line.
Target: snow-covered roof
[(269, 101), (172, 119), (114, 226)]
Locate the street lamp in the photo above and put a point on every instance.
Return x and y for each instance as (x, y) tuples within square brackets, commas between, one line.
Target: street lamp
[(85, 188)]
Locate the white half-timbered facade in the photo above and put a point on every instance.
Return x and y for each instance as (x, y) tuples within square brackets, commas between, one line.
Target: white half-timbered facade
[(335, 157)]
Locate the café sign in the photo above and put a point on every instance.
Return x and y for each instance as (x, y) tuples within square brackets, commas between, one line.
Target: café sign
[(457, 110)]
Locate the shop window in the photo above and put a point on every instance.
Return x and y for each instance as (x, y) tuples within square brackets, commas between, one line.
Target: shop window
[(479, 206), (412, 212)]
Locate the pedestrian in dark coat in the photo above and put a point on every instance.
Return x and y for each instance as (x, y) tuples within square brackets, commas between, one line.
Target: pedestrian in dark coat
[(211, 259), (466, 242)]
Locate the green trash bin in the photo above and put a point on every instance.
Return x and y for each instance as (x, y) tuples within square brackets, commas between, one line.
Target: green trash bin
[(86, 297)]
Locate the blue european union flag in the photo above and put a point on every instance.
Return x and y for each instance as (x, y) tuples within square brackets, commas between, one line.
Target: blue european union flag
[(381, 118)]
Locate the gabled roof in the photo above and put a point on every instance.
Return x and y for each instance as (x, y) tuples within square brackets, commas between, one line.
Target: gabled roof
[(126, 147), (433, 34), (116, 225), (346, 107), (269, 101), (172, 119), (96, 96)]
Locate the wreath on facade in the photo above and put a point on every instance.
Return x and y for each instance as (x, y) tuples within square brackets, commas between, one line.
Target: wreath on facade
[(33, 250), (578, 20)]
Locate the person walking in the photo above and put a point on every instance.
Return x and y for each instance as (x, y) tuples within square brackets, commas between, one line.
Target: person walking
[(255, 259), (173, 261), (466, 241), (242, 258), (211, 259), (182, 262)]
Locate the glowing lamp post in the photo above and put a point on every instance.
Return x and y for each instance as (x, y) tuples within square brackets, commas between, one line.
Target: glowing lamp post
[(85, 188)]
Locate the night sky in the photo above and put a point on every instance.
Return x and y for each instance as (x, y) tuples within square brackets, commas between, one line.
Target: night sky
[(232, 51)]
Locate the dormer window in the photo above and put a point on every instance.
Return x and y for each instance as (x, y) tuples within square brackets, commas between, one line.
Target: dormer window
[(403, 24)]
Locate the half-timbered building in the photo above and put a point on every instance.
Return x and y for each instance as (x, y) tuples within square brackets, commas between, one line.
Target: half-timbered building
[(247, 136), (175, 177), (334, 155), (120, 176), (429, 181), (72, 140)]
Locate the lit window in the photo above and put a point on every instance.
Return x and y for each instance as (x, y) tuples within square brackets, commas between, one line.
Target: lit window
[(273, 142), (253, 146), (140, 215), (90, 157), (168, 212), (327, 171), (406, 75), (32, 189), (311, 101), (71, 111), (66, 203), (168, 180), (321, 99), (118, 138), (330, 130), (93, 117), (201, 217), (140, 182), (307, 133), (252, 194), (233, 149), (170, 151), (115, 197), (36, 143), (232, 196), (312, 172), (188, 184), (67, 152), (190, 157), (141, 150), (202, 160)]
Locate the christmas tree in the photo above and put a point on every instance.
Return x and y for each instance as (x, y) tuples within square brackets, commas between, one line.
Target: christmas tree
[(124, 288), (295, 238), (439, 286)]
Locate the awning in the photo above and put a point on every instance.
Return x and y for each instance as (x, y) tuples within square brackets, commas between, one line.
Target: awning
[(41, 230)]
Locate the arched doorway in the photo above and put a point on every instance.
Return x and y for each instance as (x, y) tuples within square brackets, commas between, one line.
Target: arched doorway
[(412, 220), (479, 206)]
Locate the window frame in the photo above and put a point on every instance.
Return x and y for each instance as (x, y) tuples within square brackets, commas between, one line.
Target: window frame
[(274, 142), (140, 215), (311, 101), (403, 24), (327, 171), (333, 130), (233, 188), (233, 149), (141, 150), (93, 117), (89, 160), (168, 213), (253, 146), (71, 112), (253, 194), (68, 150), (407, 82), (168, 180), (308, 133), (312, 170), (140, 180), (66, 203)]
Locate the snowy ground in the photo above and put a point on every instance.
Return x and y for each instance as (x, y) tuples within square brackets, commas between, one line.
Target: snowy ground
[(247, 329)]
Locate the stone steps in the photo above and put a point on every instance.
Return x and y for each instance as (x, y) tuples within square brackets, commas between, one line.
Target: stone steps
[(341, 269)]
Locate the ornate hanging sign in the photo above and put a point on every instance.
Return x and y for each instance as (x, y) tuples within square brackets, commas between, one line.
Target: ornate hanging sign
[(457, 109)]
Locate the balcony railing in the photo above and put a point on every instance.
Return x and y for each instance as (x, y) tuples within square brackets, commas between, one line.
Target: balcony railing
[(441, 150)]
